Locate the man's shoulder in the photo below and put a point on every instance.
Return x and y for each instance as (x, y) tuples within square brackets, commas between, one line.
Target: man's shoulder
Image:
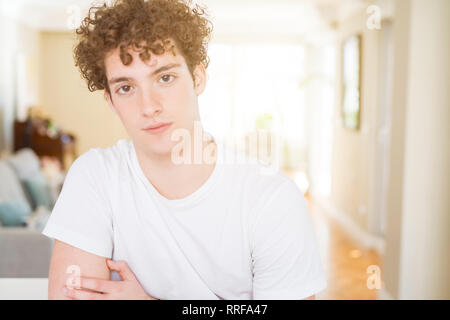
[(102, 158), (255, 179)]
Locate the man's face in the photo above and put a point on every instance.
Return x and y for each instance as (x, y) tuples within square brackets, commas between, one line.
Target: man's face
[(160, 90)]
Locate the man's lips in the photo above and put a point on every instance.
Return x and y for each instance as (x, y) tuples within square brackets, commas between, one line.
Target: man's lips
[(158, 127)]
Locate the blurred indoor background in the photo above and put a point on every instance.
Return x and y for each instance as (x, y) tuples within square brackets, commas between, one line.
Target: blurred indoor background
[(356, 93)]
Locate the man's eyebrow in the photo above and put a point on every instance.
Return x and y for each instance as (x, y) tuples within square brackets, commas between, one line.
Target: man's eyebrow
[(119, 79), (166, 67), (160, 69)]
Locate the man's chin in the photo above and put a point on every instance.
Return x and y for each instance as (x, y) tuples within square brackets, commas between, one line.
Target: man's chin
[(159, 148)]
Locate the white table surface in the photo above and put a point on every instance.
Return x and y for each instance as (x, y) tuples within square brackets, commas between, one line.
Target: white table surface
[(23, 288)]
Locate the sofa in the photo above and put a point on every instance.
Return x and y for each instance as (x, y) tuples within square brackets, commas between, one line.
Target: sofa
[(24, 251)]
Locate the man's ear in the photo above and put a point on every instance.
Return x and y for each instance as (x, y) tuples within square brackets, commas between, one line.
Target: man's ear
[(109, 100), (199, 79)]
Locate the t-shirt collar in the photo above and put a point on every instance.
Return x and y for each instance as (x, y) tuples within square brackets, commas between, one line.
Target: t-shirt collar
[(189, 200)]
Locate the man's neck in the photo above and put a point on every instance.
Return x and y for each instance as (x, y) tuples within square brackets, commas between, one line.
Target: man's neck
[(177, 181)]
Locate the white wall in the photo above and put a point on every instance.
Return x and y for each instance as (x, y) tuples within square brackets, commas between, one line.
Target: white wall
[(351, 190), (417, 257), (425, 241), (17, 40), (8, 31)]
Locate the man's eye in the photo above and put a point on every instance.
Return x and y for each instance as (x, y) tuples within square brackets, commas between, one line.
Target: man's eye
[(124, 89), (167, 78)]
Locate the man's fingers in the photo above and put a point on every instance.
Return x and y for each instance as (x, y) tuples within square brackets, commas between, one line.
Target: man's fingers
[(99, 285), (122, 268), (83, 295)]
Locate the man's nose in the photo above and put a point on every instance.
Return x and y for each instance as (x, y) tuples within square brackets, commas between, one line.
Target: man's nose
[(150, 103)]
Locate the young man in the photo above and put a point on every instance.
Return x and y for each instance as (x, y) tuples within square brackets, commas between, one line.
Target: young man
[(205, 229)]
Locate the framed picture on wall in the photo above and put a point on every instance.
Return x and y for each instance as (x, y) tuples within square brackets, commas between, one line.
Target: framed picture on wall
[(351, 82)]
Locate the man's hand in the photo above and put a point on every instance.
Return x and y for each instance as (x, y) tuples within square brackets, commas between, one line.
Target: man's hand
[(127, 289)]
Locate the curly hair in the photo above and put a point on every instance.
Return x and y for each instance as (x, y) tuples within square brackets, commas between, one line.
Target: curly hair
[(144, 26)]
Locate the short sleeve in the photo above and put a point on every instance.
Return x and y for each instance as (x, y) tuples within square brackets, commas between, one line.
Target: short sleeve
[(82, 216), (285, 257)]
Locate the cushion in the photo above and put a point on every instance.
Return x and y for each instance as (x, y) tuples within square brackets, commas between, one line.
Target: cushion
[(10, 186), (25, 163), (38, 219), (14, 213), (38, 189)]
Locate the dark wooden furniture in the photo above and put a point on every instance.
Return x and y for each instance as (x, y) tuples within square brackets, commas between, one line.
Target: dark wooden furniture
[(32, 134)]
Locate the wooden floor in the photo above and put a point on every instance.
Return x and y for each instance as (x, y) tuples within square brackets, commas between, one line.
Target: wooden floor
[(344, 261)]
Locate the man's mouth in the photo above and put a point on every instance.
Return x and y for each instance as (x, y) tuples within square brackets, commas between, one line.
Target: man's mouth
[(157, 127)]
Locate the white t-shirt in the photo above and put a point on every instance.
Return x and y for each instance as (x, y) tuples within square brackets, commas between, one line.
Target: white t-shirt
[(244, 234)]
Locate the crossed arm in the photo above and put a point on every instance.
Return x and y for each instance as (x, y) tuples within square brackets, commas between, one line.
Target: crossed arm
[(86, 276), (94, 282)]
